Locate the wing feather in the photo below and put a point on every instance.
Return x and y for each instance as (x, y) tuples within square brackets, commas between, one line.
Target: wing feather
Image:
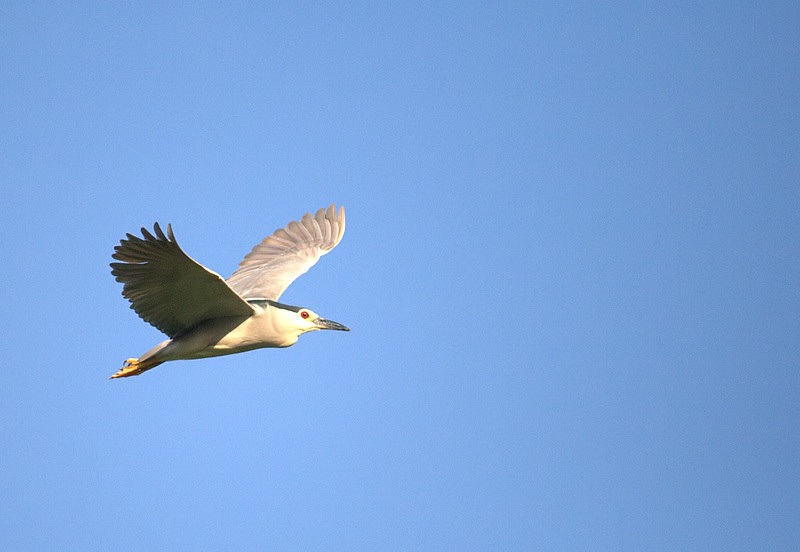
[(169, 289), (279, 259)]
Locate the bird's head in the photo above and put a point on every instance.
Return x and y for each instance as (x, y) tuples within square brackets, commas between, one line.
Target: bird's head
[(291, 322), (307, 321)]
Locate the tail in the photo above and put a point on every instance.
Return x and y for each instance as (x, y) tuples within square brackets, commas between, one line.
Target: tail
[(134, 367)]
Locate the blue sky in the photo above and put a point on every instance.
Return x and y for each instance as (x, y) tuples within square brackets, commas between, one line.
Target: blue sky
[(570, 268)]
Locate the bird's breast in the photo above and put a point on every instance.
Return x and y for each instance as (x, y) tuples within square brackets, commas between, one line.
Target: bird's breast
[(259, 330)]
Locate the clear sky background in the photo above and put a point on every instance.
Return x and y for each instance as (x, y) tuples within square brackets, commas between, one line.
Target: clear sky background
[(571, 270)]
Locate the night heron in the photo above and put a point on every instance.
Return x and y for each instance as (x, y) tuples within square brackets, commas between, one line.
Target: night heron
[(205, 315)]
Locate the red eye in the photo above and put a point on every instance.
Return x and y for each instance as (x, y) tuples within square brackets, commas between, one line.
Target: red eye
[(304, 314)]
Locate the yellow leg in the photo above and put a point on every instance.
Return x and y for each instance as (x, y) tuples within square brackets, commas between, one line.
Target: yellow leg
[(131, 367)]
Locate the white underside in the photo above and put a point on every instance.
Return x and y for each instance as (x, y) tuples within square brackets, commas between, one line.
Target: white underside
[(227, 336)]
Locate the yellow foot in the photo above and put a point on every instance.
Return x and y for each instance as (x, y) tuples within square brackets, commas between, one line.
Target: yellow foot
[(131, 367)]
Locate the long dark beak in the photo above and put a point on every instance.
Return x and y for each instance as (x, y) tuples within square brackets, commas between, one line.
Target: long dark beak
[(325, 324)]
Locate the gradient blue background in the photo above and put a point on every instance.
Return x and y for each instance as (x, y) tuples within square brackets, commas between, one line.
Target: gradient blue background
[(571, 271)]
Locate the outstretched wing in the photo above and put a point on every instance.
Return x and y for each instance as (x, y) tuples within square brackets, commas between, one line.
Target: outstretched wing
[(169, 289), (279, 259)]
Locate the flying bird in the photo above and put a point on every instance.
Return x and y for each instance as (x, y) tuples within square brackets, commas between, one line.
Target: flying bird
[(205, 315)]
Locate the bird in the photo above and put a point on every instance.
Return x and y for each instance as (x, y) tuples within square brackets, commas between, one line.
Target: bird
[(205, 315)]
